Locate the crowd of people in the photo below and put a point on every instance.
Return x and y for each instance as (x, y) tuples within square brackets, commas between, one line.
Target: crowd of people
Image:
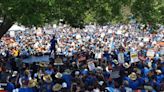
[(112, 58)]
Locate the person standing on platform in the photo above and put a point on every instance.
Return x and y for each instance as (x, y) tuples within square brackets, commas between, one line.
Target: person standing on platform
[(53, 46)]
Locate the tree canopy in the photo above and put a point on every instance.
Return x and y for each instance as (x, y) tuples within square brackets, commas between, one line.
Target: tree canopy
[(78, 12)]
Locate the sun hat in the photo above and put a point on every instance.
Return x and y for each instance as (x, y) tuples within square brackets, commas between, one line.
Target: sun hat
[(57, 87), (138, 71), (133, 76), (67, 71), (43, 64), (64, 85), (99, 68), (126, 65), (158, 71), (27, 72), (14, 73), (115, 61), (77, 72), (58, 60), (47, 78), (101, 83), (58, 75), (32, 83), (149, 88)]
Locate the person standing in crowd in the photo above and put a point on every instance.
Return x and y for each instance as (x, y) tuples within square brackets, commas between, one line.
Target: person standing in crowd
[(53, 46)]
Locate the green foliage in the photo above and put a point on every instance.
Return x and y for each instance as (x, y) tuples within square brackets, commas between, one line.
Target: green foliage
[(148, 11), (26, 12), (80, 12)]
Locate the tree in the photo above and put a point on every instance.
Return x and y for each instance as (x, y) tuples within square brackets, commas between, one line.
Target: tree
[(25, 12), (148, 11)]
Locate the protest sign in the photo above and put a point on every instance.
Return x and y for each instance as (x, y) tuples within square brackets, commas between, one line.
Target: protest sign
[(12, 34), (39, 32), (121, 58), (150, 53), (91, 66), (146, 39), (78, 36), (134, 57)]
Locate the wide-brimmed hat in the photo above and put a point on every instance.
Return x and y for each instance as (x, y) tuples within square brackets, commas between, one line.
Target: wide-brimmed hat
[(133, 76), (14, 73), (43, 65), (58, 60), (77, 73), (115, 61), (47, 78), (27, 72), (99, 68), (126, 65), (138, 71), (57, 87), (64, 85), (67, 71), (58, 75), (149, 88), (32, 83), (158, 71), (101, 83)]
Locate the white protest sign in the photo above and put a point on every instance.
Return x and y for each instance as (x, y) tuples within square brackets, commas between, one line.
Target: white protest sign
[(12, 34), (110, 31), (150, 53), (146, 39), (121, 57), (119, 32), (91, 66), (99, 55), (78, 36), (134, 57), (102, 35), (39, 32)]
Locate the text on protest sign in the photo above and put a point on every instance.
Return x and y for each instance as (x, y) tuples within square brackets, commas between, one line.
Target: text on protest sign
[(134, 57)]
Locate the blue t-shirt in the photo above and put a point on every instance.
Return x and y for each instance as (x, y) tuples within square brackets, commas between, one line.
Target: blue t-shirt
[(68, 79), (10, 87), (26, 90)]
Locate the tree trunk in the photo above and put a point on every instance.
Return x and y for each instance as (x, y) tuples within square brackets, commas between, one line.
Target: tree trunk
[(5, 26)]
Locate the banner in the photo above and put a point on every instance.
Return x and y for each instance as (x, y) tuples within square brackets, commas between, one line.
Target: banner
[(121, 58), (91, 66), (134, 57)]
